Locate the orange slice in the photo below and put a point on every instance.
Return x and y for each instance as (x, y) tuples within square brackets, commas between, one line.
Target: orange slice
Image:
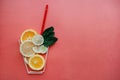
[(36, 62), (27, 35)]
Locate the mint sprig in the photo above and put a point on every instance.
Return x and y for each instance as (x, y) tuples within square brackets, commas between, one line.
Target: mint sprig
[(49, 37)]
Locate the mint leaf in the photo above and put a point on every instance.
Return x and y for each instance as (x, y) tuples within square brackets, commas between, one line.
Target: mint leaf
[(47, 31), (50, 41), (48, 36), (51, 34)]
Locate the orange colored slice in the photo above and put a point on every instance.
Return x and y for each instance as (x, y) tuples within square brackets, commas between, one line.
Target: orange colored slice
[(27, 35), (36, 62)]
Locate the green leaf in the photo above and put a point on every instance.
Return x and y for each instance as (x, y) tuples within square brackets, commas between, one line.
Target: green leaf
[(49, 38), (50, 41), (51, 34), (47, 31)]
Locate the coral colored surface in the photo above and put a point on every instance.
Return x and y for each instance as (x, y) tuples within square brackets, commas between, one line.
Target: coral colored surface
[(89, 38)]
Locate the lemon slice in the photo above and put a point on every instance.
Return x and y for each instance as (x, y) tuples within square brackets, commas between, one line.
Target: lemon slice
[(36, 62), (38, 39), (26, 48), (27, 35), (40, 49)]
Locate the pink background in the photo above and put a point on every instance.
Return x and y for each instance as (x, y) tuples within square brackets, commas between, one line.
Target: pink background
[(89, 38)]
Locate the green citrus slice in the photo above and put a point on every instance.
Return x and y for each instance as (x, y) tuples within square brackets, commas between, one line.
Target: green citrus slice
[(38, 39), (40, 49)]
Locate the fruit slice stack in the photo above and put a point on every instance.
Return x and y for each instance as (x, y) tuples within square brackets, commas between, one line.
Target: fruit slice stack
[(33, 47)]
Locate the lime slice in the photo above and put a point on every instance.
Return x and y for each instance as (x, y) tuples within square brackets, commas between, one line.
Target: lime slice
[(26, 48), (40, 49), (38, 39)]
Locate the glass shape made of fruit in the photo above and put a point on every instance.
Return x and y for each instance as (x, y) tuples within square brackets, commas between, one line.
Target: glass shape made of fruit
[(34, 48)]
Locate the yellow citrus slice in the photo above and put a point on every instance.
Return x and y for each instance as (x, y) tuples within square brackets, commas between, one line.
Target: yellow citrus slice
[(38, 39), (27, 35), (36, 62), (26, 48)]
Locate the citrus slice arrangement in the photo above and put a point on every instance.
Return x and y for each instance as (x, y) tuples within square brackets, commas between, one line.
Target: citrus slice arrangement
[(27, 34), (34, 48)]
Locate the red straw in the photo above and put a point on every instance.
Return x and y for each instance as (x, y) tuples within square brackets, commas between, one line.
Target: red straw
[(44, 19)]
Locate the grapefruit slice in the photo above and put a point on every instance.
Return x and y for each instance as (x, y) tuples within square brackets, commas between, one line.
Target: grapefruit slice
[(26, 48)]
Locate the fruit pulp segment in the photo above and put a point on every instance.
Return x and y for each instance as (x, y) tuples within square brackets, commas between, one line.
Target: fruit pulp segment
[(28, 35), (36, 62)]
